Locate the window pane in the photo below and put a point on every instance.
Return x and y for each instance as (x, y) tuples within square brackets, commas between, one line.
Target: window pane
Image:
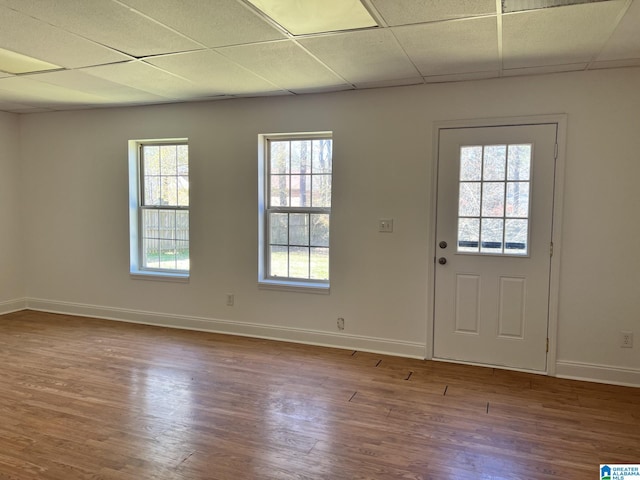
[(470, 163), (515, 236), (468, 234), (182, 225), (321, 191), (491, 237), (169, 190), (164, 233), (322, 155), (320, 230), (183, 159), (151, 157), (519, 162), (300, 190), (301, 156), (151, 191), (279, 223), (493, 199), (150, 223), (150, 253), (279, 194), (168, 160), (298, 229), (183, 191), (320, 263), (167, 224), (495, 162), (469, 202), (517, 199), (299, 262), (182, 255), (279, 261), (279, 157)]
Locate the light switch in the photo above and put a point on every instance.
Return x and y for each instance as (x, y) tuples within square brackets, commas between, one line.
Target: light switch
[(385, 225)]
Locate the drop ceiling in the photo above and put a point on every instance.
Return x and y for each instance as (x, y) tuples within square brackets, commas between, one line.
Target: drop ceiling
[(104, 53)]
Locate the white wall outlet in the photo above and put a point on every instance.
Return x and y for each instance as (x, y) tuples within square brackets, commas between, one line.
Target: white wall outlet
[(230, 299), (340, 323), (385, 225), (626, 339)]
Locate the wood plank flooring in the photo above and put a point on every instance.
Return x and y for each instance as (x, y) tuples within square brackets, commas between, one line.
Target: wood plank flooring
[(92, 399)]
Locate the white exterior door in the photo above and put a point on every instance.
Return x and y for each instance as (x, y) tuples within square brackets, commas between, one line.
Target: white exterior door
[(493, 244)]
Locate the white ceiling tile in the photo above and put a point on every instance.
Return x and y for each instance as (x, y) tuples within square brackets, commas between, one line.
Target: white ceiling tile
[(17, 108), (284, 64), (444, 48), (83, 82), (29, 36), (625, 41), (562, 35), (404, 12), (214, 23), (145, 77), (33, 93), (214, 72), (108, 23), (364, 56)]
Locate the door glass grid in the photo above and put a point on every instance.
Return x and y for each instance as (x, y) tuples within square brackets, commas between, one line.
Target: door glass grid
[(494, 199)]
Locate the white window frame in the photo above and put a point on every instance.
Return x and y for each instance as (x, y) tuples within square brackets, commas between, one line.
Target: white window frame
[(264, 280), (136, 268)]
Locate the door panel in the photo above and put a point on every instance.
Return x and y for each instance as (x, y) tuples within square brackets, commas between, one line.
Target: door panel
[(493, 238)]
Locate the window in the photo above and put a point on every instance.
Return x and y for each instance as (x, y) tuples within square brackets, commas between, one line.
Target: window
[(159, 206), (295, 209), (493, 202)]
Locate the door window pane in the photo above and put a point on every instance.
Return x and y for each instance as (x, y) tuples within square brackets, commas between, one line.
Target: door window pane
[(519, 162), (494, 199), (469, 202), (517, 199), (468, 234), (515, 236), (491, 235), (495, 162), (471, 163)]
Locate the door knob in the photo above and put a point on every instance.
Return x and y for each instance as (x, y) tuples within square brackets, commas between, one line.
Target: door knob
[(442, 260), (442, 244)]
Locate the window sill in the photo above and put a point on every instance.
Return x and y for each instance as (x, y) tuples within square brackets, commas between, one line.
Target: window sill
[(160, 276), (299, 287)]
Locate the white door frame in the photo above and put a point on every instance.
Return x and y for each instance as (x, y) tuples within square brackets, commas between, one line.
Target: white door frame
[(554, 279)]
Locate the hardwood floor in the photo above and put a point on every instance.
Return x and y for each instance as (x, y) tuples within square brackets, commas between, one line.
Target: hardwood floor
[(91, 399)]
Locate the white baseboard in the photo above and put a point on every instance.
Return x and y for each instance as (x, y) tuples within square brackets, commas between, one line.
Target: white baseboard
[(270, 332), (564, 369), (628, 377), (11, 306)]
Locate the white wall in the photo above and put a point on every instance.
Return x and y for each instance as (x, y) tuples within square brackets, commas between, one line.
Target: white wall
[(11, 260), (75, 191)]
